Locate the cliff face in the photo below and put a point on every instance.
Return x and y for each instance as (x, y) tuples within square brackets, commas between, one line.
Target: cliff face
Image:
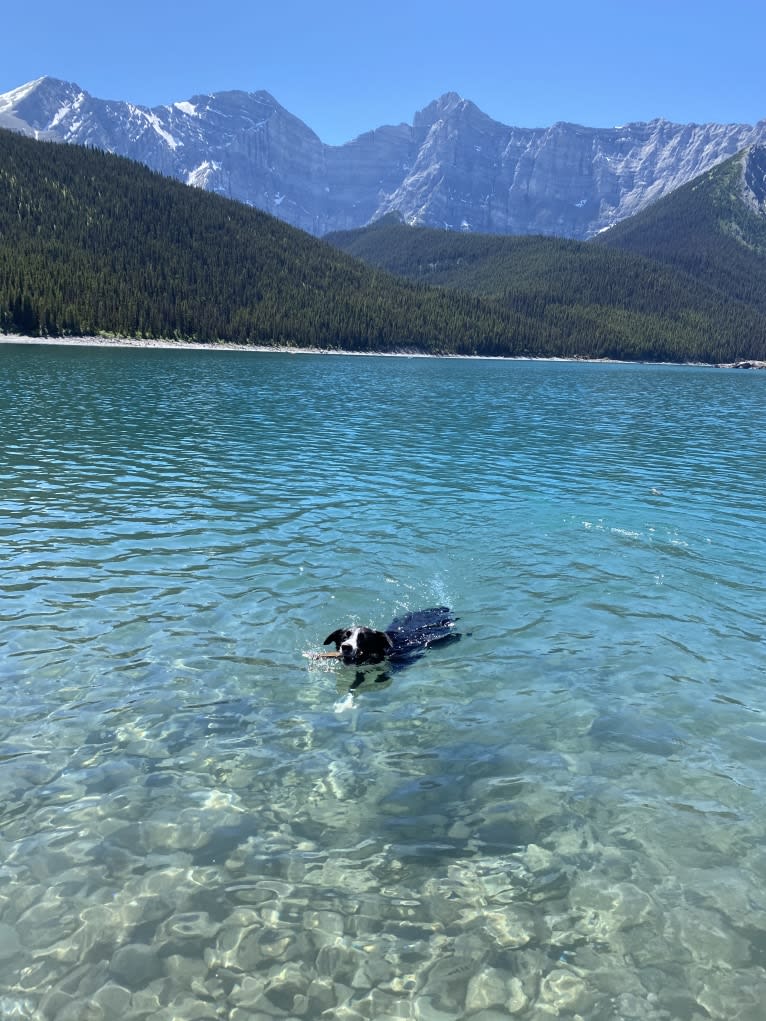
[(475, 174), (454, 167), (754, 179)]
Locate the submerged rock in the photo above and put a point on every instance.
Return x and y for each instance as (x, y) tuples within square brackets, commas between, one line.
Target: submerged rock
[(654, 737), (10, 945), (136, 964)]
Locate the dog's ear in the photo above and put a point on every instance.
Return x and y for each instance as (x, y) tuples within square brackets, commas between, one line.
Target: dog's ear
[(336, 636), (384, 640)]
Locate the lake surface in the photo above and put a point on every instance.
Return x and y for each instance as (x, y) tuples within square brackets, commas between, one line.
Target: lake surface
[(560, 815)]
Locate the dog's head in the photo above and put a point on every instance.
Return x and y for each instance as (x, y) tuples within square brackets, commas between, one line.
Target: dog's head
[(360, 644)]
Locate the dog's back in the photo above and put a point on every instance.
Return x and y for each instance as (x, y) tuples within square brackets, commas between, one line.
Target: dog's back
[(413, 632)]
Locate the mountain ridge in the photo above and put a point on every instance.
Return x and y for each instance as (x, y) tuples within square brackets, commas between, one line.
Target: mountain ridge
[(454, 166)]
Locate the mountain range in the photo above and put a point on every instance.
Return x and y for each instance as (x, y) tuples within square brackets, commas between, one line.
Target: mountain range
[(454, 167)]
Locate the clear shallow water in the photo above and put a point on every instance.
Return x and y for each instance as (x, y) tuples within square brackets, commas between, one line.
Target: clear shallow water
[(562, 815)]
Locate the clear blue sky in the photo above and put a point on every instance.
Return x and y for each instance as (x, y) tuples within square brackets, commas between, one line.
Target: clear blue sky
[(345, 67)]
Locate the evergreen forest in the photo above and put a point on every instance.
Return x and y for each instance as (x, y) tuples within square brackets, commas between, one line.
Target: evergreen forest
[(95, 244)]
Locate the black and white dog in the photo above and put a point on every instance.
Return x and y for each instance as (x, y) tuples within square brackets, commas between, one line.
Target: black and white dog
[(404, 639)]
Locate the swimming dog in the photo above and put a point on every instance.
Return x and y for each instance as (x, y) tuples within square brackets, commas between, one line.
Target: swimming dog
[(405, 638)]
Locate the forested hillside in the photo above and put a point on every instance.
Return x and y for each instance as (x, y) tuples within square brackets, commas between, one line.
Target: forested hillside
[(713, 228), (91, 243), (669, 283)]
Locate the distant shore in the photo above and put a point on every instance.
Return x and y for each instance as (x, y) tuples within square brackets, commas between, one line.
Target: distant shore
[(183, 345)]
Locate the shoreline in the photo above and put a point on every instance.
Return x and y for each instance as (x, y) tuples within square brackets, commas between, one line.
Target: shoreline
[(183, 345), (139, 342)]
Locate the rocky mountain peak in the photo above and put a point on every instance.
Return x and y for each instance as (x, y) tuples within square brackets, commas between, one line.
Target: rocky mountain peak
[(437, 110), (39, 105)]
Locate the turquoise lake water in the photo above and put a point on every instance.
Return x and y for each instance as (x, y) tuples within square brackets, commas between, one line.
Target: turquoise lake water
[(562, 815)]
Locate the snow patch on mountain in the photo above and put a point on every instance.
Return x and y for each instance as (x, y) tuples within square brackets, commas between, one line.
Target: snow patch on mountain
[(9, 100), (204, 175)]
